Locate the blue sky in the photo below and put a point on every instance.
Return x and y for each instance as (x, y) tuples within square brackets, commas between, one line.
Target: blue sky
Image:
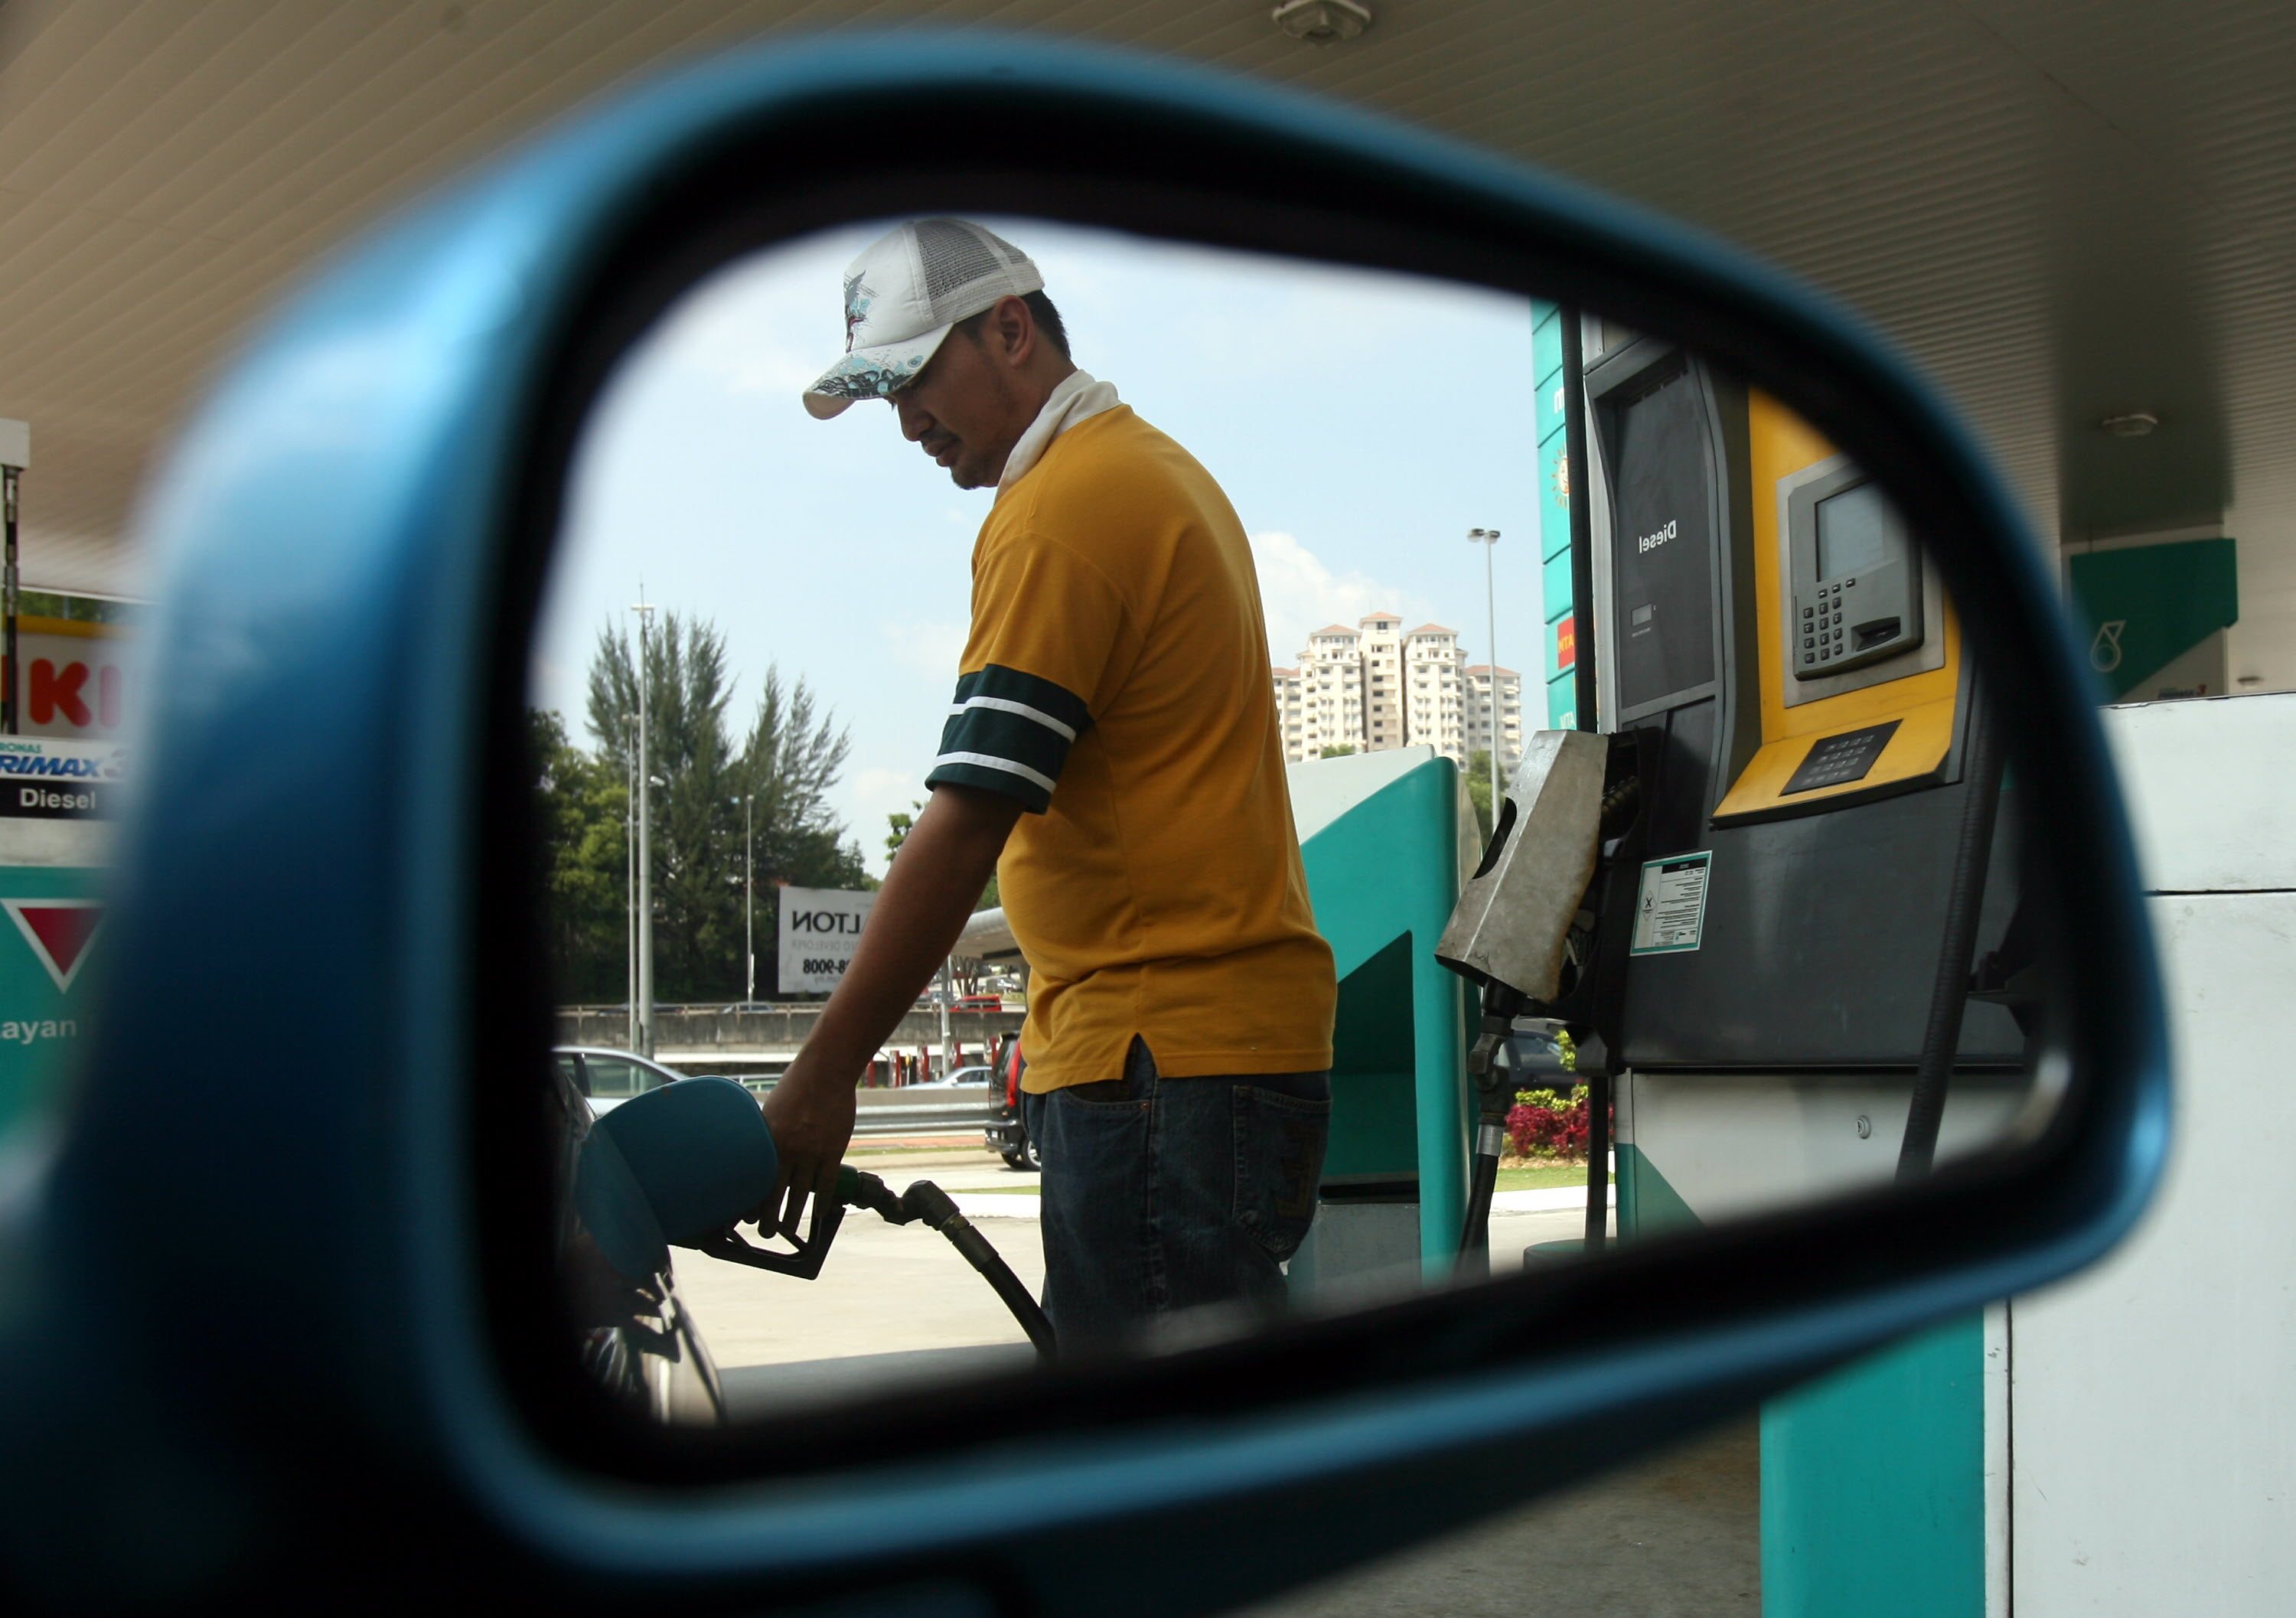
[(1361, 423)]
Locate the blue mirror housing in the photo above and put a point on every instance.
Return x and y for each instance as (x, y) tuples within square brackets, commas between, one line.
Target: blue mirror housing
[(350, 539), (698, 1152)]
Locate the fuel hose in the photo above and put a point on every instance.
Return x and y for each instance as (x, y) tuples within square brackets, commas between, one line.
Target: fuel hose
[(1956, 947), (926, 1204)]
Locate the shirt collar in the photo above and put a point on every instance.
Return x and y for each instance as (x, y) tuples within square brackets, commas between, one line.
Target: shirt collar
[(1077, 398)]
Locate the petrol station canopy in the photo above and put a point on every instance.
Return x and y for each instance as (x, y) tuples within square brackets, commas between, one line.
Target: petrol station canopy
[(2063, 212)]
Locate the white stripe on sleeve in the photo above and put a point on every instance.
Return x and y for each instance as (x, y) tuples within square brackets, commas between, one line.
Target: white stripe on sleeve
[(1004, 705), (987, 761)]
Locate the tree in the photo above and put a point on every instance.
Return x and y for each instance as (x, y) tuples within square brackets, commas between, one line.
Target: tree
[(1478, 789), (696, 861), (1338, 749), (901, 824), (580, 804), (791, 759), (785, 768)]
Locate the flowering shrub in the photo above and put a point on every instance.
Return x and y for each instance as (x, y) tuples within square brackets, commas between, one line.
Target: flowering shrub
[(1546, 1123)]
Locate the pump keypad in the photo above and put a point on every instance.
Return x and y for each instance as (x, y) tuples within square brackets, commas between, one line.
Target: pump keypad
[(1835, 761), (1821, 623)]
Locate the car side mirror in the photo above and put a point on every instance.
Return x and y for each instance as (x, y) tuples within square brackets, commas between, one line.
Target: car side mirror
[(355, 535)]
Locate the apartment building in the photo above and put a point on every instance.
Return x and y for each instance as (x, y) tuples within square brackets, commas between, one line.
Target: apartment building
[(1493, 713), (1382, 676), (1434, 699), (1331, 693), (1292, 710), (1379, 686)]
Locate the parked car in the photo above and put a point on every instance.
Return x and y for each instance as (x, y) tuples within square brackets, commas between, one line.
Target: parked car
[(1007, 1133), (979, 1002), (976, 1078), (608, 1078), (637, 1340)]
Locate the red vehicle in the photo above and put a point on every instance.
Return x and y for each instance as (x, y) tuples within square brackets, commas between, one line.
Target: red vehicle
[(1007, 1133)]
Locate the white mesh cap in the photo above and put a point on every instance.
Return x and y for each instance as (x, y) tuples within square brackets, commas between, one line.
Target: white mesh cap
[(903, 294)]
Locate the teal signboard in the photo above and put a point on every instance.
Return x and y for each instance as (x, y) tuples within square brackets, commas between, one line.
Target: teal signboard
[(2142, 607), (54, 795), (54, 914)]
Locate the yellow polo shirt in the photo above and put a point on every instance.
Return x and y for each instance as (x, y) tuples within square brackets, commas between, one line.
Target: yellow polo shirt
[(1116, 682)]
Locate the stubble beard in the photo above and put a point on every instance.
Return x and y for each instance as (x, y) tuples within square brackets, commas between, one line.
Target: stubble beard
[(965, 477)]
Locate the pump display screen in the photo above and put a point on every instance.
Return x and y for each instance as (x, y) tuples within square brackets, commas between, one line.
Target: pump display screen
[(1853, 529), (1856, 577), (1663, 543)]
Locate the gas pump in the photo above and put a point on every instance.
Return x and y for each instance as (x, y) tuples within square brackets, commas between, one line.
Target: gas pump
[(1781, 929), (1815, 870), (1778, 856)]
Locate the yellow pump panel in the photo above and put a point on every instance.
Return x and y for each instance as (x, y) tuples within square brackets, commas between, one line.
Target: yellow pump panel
[(1780, 444)]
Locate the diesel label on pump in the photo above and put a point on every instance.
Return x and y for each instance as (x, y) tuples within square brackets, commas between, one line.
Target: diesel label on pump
[(1670, 910)]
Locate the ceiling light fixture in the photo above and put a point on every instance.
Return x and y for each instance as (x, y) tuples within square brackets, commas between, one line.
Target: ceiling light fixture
[(1322, 21), (2130, 424)]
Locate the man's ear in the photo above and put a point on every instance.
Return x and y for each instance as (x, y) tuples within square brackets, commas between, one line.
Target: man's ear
[(1016, 330)]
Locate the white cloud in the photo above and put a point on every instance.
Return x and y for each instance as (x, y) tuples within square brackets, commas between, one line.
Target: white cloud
[(926, 647), (878, 792), (740, 354), (768, 325), (870, 794), (1301, 594)]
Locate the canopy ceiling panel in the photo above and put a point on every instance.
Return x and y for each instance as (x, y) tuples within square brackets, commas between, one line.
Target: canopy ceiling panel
[(2062, 209)]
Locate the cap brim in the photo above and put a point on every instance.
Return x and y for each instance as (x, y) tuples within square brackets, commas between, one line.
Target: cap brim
[(873, 373)]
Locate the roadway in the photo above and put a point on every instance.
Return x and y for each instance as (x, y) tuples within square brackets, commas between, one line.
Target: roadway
[(896, 1305)]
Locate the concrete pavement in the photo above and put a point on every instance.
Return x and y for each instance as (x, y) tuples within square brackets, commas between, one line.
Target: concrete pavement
[(896, 1309)]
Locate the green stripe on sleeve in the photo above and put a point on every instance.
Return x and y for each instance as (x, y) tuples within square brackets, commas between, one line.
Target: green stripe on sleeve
[(1004, 735), (1055, 703), (993, 775)]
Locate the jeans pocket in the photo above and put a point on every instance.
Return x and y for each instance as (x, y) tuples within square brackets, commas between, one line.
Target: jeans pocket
[(1136, 1089), (1280, 1136), (1106, 1093)]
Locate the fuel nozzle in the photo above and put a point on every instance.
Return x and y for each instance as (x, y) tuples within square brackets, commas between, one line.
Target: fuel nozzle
[(1510, 932)]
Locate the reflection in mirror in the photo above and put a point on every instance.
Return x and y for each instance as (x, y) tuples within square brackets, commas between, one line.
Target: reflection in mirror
[(1163, 863)]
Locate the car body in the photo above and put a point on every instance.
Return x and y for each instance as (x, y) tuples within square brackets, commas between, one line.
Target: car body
[(1007, 1133), (638, 1339), (608, 1078), (977, 1076)]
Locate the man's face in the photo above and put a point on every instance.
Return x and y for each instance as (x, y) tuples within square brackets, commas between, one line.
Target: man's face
[(964, 408)]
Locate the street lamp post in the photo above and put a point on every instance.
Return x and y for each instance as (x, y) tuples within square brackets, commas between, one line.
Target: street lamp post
[(630, 900), (749, 899), (644, 1043), (1489, 538)]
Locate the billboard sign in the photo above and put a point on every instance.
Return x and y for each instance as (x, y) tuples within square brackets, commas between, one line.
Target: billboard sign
[(45, 779), (820, 929), (79, 678)]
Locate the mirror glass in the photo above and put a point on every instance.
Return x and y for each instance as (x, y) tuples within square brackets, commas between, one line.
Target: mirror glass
[(1232, 641)]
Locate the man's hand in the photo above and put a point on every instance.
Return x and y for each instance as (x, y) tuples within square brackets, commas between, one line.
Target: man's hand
[(810, 1111), (945, 862)]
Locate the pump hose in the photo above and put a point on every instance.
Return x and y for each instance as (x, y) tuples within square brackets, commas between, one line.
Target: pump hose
[(1493, 1077), (1475, 1232), (1956, 949), (926, 1202)]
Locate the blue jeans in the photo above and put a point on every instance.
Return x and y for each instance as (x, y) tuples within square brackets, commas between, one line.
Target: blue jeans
[(1165, 1195)]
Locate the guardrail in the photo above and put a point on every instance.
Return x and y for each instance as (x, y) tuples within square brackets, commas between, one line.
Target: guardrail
[(957, 1117), (945, 1118)]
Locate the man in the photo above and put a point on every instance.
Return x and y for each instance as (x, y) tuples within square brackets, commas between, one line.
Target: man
[(1113, 738)]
